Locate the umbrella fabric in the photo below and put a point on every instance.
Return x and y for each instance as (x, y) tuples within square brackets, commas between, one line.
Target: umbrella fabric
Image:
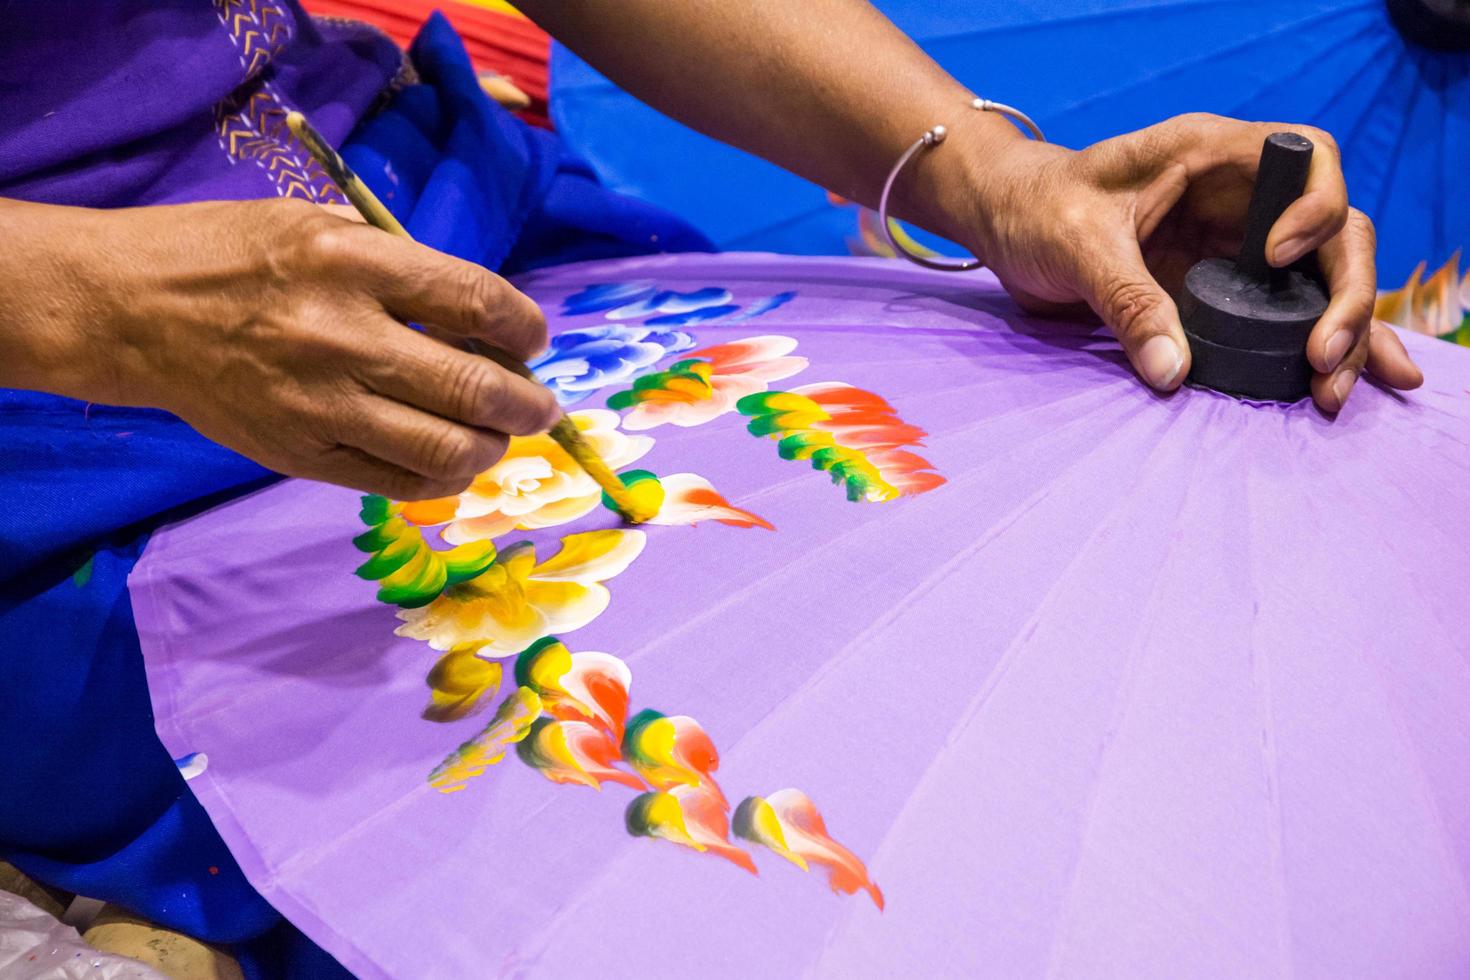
[(979, 659), (1398, 110)]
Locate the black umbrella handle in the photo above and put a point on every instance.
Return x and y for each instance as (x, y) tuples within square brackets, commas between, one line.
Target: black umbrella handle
[(1281, 178)]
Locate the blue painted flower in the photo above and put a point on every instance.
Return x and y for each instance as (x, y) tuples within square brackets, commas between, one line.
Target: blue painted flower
[(656, 307), (764, 305), (583, 360), (601, 297)]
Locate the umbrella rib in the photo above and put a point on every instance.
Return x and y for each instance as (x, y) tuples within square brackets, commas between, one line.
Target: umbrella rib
[(734, 243), (977, 702), (1270, 764), (1405, 741), (1290, 81), (1393, 159), (1104, 15), (626, 853), (1437, 214), (1124, 702), (1172, 70), (692, 624)]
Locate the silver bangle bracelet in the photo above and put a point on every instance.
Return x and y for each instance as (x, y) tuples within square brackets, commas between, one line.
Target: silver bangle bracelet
[(932, 138)]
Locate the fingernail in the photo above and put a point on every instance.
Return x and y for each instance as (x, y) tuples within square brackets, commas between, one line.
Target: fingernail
[(1337, 348), (554, 417), (1289, 251), (1342, 385), (1161, 360)]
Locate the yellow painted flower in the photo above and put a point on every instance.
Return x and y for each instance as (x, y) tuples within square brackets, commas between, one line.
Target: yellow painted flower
[(511, 723), (535, 485), (516, 601), (461, 684)]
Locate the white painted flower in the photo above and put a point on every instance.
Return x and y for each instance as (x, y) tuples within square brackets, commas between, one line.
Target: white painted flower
[(535, 485)]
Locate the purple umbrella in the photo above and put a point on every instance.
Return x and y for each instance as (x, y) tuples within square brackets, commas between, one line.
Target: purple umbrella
[(977, 659)]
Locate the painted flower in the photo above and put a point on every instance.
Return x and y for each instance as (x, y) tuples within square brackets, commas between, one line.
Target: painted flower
[(511, 723), (666, 307), (603, 296), (409, 573), (536, 484), (671, 751), (581, 361), (517, 600), (789, 823), (460, 684), (1438, 306), (853, 435), (687, 498), (591, 686), (689, 817), (708, 383), (576, 753)]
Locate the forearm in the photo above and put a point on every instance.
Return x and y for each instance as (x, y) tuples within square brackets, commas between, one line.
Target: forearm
[(43, 300), (826, 88)]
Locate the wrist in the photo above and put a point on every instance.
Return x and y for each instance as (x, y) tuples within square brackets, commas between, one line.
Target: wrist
[(943, 187), (49, 300)]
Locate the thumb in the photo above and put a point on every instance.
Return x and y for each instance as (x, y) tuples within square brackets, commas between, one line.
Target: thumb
[(1118, 286)]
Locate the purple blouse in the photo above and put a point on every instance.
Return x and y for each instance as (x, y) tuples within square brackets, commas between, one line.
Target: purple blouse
[(135, 102)]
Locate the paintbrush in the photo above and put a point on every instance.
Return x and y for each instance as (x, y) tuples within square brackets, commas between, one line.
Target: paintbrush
[(374, 213)]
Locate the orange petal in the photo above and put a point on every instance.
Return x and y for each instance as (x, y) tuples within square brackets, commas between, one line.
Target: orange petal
[(440, 510)]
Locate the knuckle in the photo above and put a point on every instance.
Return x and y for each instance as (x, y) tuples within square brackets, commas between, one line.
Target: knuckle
[(333, 242), (1363, 225), (477, 291), (450, 452), (475, 388), (1200, 120), (489, 448), (1128, 303), (1320, 138), (400, 484)]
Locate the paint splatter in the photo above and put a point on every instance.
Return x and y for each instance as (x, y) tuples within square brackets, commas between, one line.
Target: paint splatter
[(192, 765), (574, 752), (461, 684), (83, 575), (409, 573), (670, 751), (591, 687), (851, 434), (687, 816), (789, 823), (511, 723)]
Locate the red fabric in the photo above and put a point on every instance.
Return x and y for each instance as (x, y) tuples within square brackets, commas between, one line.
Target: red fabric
[(508, 45)]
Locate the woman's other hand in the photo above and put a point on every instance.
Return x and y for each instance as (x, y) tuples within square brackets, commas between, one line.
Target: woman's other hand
[(1117, 225), (276, 328)]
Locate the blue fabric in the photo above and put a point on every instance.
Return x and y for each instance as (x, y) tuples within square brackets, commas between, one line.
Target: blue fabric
[(1087, 70), (89, 799), (461, 173)]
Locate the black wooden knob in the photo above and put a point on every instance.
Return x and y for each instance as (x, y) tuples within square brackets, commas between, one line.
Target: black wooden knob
[(1247, 323)]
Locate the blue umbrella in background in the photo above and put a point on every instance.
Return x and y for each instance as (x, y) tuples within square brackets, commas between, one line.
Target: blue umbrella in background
[(1389, 78)]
